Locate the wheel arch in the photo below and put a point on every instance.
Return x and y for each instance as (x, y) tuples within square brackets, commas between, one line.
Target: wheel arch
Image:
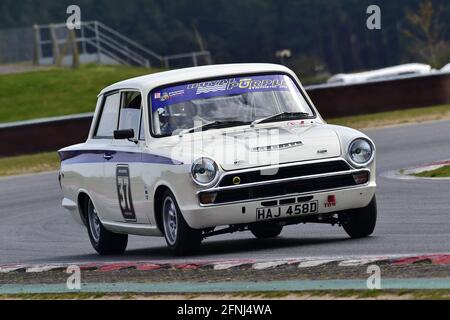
[(82, 202), (157, 205)]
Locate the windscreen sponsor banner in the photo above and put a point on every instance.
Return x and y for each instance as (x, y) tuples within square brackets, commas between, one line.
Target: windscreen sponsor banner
[(217, 88)]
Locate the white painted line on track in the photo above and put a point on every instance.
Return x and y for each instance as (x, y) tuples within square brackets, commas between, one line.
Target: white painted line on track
[(9, 269), (268, 265), (313, 263), (226, 266), (357, 262), (38, 269)]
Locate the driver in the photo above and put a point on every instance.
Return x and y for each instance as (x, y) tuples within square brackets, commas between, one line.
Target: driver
[(176, 118)]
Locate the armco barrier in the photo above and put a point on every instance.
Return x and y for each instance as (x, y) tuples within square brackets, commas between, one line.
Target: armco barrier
[(379, 96), (331, 100)]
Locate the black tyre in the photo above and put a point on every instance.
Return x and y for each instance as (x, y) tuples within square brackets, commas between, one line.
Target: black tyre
[(181, 239), (360, 223), (266, 231), (104, 242)]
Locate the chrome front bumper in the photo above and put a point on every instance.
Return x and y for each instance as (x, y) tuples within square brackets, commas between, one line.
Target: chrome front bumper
[(270, 187), (200, 217)]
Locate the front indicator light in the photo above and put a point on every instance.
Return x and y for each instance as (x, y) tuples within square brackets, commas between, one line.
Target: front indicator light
[(208, 198), (361, 177)]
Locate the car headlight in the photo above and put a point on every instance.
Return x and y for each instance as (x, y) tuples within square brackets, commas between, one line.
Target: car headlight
[(361, 152), (204, 171)]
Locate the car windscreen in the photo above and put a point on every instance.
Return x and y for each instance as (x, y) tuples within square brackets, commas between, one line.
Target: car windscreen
[(237, 99)]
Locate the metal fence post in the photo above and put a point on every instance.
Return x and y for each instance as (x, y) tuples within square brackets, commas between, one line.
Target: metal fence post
[(97, 40), (83, 39), (166, 62), (37, 45), (194, 59), (209, 58), (75, 52), (55, 45)]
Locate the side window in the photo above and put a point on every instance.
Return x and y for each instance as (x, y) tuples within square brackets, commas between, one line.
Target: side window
[(109, 116), (130, 113)]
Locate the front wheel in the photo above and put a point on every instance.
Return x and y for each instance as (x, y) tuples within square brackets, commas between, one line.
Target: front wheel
[(360, 223), (180, 238), (104, 242)]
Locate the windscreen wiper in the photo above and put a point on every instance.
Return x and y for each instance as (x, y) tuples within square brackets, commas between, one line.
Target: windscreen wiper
[(215, 125), (281, 116)]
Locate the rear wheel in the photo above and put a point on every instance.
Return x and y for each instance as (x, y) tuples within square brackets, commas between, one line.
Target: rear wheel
[(104, 242), (360, 223), (266, 231), (180, 238)]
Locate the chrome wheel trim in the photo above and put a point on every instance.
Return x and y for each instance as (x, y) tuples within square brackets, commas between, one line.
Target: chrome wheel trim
[(94, 223), (170, 220)]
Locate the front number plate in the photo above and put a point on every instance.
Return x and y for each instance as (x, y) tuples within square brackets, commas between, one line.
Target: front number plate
[(288, 211)]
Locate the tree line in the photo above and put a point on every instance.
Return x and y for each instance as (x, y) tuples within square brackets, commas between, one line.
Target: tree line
[(323, 35)]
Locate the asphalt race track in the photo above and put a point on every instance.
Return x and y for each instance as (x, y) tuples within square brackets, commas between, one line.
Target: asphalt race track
[(414, 216)]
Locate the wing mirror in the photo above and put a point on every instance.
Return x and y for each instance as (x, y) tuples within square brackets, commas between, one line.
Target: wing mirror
[(127, 134)]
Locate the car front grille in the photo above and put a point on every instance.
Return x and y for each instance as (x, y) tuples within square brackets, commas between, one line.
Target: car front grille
[(284, 173), (278, 189)]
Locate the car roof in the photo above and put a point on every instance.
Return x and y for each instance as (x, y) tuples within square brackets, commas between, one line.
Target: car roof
[(149, 82)]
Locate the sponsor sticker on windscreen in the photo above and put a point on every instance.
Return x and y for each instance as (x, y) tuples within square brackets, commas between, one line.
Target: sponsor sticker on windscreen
[(217, 88)]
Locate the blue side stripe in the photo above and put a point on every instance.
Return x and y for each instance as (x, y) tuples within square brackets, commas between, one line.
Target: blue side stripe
[(96, 156)]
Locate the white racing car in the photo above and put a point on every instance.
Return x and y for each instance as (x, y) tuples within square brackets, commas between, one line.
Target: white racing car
[(193, 153)]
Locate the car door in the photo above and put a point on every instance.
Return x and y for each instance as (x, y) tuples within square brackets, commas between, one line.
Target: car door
[(100, 145), (123, 166)]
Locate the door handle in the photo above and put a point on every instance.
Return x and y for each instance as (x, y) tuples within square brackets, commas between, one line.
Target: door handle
[(107, 157)]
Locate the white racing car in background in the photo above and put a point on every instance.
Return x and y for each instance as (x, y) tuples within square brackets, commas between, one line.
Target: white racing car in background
[(390, 73), (198, 152)]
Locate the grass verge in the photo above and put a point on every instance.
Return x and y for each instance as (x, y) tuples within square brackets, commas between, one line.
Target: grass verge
[(384, 119), (443, 172), (36, 163), (58, 91)]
